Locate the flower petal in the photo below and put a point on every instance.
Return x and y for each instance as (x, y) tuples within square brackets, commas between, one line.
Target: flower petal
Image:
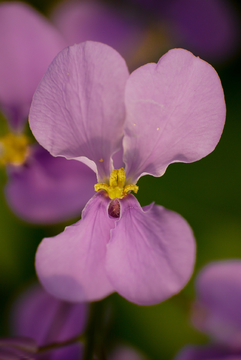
[(48, 189), (71, 265), (23, 58), (78, 109), (219, 295), (151, 253), (175, 112), (81, 21), (46, 319)]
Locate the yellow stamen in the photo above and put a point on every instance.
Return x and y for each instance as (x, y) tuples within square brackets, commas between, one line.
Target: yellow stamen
[(13, 149), (117, 187)]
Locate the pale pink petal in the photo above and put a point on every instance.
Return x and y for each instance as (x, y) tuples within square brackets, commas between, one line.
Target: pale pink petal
[(175, 112), (28, 43), (151, 253), (71, 265), (78, 109)]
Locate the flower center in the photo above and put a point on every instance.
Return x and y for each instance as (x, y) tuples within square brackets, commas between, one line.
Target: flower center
[(117, 187), (13, 149)]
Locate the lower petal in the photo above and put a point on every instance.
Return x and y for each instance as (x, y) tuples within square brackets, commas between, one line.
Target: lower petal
[(71, 265), (151, 254)]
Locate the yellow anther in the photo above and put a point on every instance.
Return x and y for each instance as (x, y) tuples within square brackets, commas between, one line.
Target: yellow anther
[(13, 149), (114, 178), (116, 187), (101, 186), (131, 187)]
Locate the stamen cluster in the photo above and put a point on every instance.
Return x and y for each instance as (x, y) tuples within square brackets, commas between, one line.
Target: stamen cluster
[(117, 187)]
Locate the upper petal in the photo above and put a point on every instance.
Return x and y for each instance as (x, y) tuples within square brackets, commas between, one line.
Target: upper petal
[(151, 254), (78, 109), (28, 43), (47, 189), (175, 112), (71, 265)]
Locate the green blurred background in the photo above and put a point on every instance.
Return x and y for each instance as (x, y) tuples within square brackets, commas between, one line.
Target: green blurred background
[(206, 193)]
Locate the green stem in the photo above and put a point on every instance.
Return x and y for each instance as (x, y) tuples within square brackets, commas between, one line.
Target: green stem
[(95, 333)]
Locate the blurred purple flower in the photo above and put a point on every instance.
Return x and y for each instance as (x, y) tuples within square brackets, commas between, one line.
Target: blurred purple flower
[(81, 21), (209, 28), (217, 312), (217, 309), (168, 112), (47, 320), (38, 320), (40, 188)]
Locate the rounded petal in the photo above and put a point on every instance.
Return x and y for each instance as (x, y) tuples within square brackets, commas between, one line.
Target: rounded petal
[(71, 265), (48, 189), (219, 295), (46, 319), (78, 109), (151, 253), (28, 43), (81, 21), (175, 112)]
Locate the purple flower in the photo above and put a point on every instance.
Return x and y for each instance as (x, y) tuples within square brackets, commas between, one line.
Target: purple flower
[(209, 28), (217, 313), (217, 308), (40, 188), (38, 319), (47, 320), (87, 107), (81, 21)]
